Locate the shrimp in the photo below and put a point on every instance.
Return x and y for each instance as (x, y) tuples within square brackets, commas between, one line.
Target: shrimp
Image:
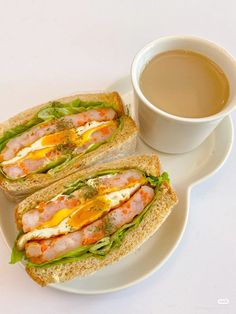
[(46, 250), (126, 178), (103, 184), (15, 144), (103, 114)]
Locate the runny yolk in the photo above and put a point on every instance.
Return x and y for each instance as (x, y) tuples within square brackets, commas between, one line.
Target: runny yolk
[(60, 137), (37, 154), (89, 212), (71, 135), (81, 215), (57, 218)]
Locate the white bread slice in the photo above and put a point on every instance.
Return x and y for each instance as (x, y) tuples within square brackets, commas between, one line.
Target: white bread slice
[(123, 144), (166, 199)]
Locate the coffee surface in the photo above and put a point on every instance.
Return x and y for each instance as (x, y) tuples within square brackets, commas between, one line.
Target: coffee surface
[(185, 84)]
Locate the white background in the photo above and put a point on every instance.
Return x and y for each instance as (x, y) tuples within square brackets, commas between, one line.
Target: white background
[(53, 48)]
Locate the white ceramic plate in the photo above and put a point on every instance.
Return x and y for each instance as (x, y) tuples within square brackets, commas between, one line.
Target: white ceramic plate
[(200, 163)]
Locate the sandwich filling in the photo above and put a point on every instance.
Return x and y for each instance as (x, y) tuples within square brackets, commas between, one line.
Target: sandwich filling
[(89, 217), (56, 135)]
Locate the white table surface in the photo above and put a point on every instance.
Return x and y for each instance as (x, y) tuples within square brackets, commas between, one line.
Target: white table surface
[(53, 48)]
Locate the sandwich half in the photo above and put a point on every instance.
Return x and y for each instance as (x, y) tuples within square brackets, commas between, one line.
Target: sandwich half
[(91, 218), (50, 141)]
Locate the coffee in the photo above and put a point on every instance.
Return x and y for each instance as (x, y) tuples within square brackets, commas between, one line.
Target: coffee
[(185, 83)]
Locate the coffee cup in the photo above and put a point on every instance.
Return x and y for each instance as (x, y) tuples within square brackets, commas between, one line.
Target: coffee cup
[(166, 132)]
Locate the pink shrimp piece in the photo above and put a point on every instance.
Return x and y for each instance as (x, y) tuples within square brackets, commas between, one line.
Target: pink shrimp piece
[(118, 181), (99, 115), (14, 171)]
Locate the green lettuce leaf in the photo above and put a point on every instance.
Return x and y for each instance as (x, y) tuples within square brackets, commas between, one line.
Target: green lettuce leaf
[(53, 112), (16, 255), (65, 161), (157, 181), (57, 163)]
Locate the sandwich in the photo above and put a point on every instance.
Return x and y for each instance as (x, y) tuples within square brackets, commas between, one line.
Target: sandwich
[(50, 141), (91, 219)]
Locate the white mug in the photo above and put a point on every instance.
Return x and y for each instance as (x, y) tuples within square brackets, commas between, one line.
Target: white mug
[(166, 132)]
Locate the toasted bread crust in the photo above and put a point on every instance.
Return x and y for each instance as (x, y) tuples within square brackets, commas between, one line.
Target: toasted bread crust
[(156, 215), (123, 144)]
